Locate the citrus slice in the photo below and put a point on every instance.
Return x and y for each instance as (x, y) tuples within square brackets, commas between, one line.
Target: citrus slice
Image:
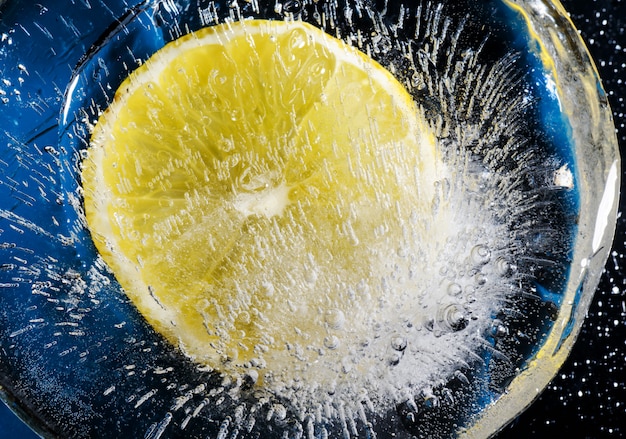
[(250, 186)]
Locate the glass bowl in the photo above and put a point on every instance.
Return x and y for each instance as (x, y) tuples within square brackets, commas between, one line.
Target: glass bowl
[(520, 118)]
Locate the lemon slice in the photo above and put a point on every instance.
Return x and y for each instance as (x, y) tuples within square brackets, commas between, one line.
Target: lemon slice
[(250, 186)]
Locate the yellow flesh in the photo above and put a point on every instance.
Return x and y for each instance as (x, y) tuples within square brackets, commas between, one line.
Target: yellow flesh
[(248, 186)]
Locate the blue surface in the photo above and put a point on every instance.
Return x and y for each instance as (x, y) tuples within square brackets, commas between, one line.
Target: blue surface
[(12, 427)]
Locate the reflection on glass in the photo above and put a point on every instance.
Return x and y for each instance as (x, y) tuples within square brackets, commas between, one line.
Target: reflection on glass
[(265, 256)]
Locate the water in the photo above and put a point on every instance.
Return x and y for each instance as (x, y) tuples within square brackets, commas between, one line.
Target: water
[(83, 362)]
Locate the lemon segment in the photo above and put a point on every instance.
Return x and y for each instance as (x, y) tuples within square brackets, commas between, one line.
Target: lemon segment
[(248, 187)]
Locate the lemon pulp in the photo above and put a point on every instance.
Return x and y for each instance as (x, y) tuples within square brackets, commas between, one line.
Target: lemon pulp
[(250, 187)]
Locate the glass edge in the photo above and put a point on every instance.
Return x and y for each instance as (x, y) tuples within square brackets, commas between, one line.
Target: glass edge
[(599, 173), (22, 413)]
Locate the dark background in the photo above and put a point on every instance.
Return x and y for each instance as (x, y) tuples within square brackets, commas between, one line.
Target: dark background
[(587, 399)]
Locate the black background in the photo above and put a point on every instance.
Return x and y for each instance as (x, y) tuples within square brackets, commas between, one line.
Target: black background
[(587, 399)]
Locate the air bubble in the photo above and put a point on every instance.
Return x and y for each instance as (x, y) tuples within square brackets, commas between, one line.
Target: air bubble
[(244, 318), (298, 39), (429, 324), (310, 276), (251, 377), (394, 359), (279, 411), (402, 252), (504, 267), (267, 289), (331, 342), (480, 279), (334, 319), (430, 401), (480, 254), (398, 343), (447, 397), (292, 6), (498, 329), (51, 150), (461, 377), (454, 289), (453, 318)]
